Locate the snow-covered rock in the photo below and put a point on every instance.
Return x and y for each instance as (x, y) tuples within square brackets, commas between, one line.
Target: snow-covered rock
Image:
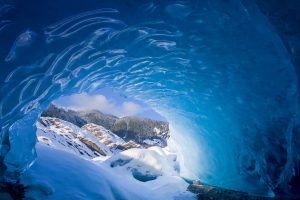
[(90, 141), (66, 136), (111, 140)]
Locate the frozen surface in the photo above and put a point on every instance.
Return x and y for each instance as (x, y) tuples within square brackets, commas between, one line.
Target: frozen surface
[(58, 174), (151, 173), (216, 70)]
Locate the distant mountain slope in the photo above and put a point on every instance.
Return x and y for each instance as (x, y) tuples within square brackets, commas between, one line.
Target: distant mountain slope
[(99, 118), (80, 118), (143, 131), (90, 141), (66, 115), (146, 132)]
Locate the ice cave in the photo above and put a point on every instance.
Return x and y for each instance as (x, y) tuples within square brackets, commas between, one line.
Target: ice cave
[(223, 74)]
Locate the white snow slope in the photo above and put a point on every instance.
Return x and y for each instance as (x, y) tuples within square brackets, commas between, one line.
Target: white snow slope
[(134, 174)]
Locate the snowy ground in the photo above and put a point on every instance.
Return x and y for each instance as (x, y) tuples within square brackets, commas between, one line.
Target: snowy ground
[(62, 172), (62, 175)]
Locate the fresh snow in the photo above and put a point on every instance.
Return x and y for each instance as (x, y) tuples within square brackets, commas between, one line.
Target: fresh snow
[(62, 172), (152, 160), (58, 174)]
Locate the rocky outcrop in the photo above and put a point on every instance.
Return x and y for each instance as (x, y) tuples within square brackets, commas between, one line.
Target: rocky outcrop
[(59, 134), (111, 140), (92, 146), (204, 192), (89, 141)]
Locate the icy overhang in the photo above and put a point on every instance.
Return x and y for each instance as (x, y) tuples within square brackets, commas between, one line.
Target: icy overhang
[(216, 70)]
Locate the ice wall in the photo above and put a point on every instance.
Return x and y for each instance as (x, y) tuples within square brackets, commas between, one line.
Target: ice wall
[(217, 70)]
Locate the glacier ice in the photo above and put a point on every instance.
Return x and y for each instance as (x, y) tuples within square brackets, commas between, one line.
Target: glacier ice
[(217, 70)]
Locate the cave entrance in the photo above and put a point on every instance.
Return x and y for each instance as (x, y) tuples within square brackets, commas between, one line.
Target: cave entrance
[(123, 136), (107, 117)]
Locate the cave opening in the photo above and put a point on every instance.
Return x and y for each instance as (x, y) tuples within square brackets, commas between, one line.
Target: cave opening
[(119, 134)]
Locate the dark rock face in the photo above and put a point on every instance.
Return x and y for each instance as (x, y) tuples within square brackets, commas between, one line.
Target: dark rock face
[(144, 132), (11, 191), (215, 193)]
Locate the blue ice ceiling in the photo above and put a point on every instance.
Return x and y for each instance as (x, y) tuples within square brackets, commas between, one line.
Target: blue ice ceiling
[(223, 73)]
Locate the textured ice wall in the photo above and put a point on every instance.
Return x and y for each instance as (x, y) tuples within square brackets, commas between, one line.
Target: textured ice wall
[(215, 69)]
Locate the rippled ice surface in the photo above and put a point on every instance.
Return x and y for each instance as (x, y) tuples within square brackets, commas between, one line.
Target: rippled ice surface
[(215, 69)]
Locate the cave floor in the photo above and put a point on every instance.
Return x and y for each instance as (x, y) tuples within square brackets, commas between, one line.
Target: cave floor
[(206, 192), (203, 192)]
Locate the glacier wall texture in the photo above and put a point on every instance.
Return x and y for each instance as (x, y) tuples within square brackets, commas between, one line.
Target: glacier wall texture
[(219, 71)]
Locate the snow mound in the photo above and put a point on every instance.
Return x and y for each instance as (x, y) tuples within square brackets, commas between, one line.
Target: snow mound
[(145, 164), (62, 175), (69, 166)]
